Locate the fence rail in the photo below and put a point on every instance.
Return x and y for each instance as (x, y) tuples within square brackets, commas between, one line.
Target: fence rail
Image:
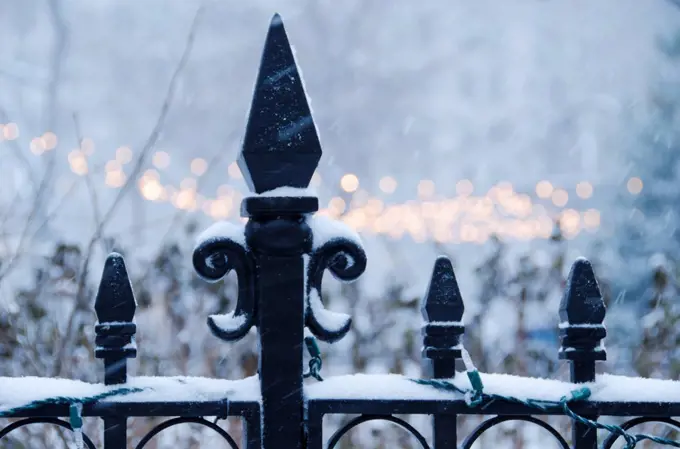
[(280, 256)]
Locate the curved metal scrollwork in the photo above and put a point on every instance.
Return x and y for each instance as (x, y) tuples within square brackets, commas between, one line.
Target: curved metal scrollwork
[(54, 421), (346, 260), (365, 418), (489, 423), (176, 421), (213, 259), (611, 439)]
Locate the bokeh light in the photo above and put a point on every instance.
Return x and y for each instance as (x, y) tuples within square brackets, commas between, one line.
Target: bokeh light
[(123, 155), (584, 190), (544, 189), (199, 166), (388, 184), (349, 182), (634, 186), (161, 159), (560, 197)]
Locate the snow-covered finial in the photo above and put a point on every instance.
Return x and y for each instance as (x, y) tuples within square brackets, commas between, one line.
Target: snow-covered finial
[(582, 313), (442, 309), (582, 302), (443, 301), (115, 307), (281, 147), (115, 301)]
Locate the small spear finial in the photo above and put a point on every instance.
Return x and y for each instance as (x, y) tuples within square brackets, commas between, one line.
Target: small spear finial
[(443, 301), (443, 310), (115, 307), (115, 300), (582, 313), (582, 302)]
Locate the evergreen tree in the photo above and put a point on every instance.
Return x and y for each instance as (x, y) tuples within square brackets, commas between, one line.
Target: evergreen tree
[(656, 355), (650, 221)]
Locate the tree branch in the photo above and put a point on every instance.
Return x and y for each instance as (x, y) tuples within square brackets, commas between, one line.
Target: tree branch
[(81, 298)]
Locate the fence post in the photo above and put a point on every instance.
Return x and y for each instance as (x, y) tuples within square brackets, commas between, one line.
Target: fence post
[(280, 149), (442, 309), (115, 307), (582, 313)]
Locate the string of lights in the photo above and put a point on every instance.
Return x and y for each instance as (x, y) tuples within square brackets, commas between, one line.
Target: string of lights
[(464, 217)]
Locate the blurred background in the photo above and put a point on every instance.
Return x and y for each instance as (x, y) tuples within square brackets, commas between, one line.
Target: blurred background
[(512, 136)]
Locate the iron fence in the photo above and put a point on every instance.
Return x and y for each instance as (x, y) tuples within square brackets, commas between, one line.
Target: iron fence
[(280, 256)]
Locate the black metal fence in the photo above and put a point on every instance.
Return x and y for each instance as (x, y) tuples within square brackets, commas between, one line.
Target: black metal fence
[(280, 256)]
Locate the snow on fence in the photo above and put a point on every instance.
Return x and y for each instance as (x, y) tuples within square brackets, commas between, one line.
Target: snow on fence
[(280, 256)]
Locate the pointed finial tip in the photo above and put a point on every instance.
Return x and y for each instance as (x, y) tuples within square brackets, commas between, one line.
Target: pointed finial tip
[(442, 301), (116, 262), (582, 301), (443, 259), (582, 261), (582, 268), (114, 256), (442, 267), (276, 20), (115, 300)]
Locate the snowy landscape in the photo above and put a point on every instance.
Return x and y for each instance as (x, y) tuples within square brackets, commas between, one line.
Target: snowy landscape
[(512, 136)]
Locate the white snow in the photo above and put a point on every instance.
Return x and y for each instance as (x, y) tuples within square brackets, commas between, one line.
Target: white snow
[(326, 229), (329, 320), (229, 322), (17, 391), (391, 386), (193, 389), (286, 191), (565, 324), (467, 360), (223, 229), (372, 386), (658, 261)]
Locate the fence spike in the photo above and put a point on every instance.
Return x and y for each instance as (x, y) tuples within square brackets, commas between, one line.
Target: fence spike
[(115, 307), (442, 309), (115, 300), (443, 301), (582, 302), (281, 146), (582, 313)]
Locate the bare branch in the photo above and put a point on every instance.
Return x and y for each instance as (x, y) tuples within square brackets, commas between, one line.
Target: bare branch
[(155, 133), (60, 40), (81, 299), (88, 179), (18, 153), (179, 214)]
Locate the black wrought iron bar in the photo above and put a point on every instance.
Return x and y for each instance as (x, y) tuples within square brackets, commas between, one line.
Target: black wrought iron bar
[(497, 407), (582, 313), (112, 409), (115, 306), (443, 309)]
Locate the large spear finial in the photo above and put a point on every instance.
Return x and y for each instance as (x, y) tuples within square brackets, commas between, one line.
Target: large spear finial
[(281, 146)]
